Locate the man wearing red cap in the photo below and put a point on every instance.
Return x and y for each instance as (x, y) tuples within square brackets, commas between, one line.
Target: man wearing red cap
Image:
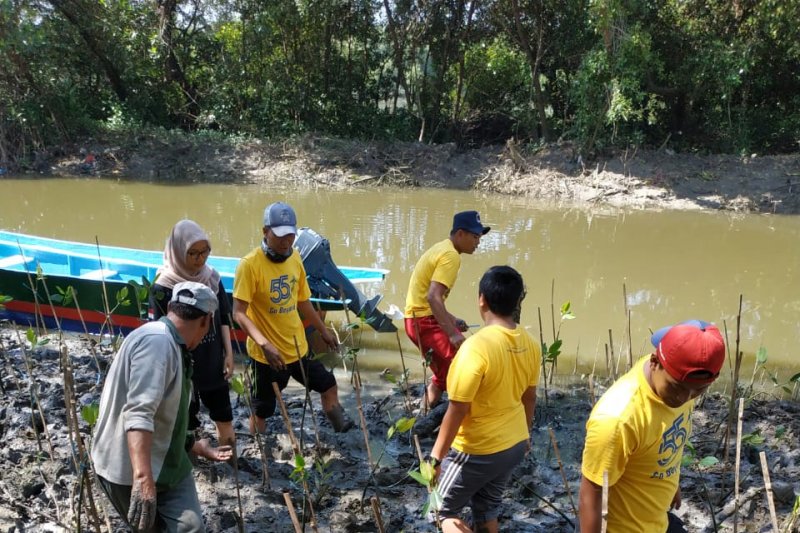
[(428, 323), (638, 429)]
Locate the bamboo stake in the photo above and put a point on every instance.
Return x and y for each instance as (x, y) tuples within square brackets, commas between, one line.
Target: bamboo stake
[(604, 507), (591, 388), (106, 302), (738, 463), (286, 419), (265, 481), (561, 468), (628, 317), (361, 418), (37, 308), (425, 405), (308, 395), (292, 514), (35, 396), (75, 436), (611, 350), (297, 451), (407, 398), (544, 365), (768, 486), (735, 383), (376, 510)]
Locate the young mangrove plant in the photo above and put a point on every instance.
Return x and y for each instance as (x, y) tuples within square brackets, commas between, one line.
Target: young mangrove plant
[(426, 476), (401, 425)]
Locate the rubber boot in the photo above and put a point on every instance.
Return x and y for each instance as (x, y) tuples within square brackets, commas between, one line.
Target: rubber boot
[(339, 420)]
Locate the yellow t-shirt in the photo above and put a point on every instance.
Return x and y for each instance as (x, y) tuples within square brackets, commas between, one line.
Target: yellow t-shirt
[(639, 440), (440, 263), (272, 291), (491, 371)]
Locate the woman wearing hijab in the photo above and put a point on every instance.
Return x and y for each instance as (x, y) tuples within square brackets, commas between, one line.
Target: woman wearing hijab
[(185, 255)]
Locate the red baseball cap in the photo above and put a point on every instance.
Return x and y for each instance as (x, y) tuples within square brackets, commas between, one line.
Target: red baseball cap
[(690, 346)]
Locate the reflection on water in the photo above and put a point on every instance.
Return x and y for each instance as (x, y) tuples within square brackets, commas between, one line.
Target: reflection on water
[(673, 265)]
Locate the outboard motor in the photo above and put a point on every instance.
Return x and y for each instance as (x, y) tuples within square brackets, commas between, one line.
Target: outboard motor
[(326, 280)]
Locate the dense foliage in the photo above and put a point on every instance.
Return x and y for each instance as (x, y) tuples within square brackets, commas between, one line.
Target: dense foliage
[(712, 75)]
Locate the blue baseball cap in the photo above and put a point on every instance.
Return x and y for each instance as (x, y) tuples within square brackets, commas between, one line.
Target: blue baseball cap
[(280, 218), (469, 221)]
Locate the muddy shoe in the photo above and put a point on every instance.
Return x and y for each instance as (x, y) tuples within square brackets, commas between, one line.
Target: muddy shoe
[(339, 420)]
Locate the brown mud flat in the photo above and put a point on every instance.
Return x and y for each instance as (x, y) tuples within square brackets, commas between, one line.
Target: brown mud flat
[(554, 173), (39, 492)]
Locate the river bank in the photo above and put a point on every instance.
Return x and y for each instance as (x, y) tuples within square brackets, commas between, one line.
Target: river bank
[(634, 178), (39, 487)]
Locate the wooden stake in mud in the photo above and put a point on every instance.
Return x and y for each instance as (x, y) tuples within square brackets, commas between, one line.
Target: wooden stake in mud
[(407, 399), (738, 462), (628, 318), (604, 507), (424, 366), (768, 485), (37, 307), (614, 366), (297, 451), (292, 514), (248, 383), (80, 454), (106, 302), (361, 418), (35, 399), (737, 355), (561, 468), (308, 395), (376, 510), (544, 365)]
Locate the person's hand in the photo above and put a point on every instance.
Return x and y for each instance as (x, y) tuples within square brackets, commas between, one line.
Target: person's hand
[(142, 511), (457, 339), (330, 339), (227, 370), (461, 325), (676, 500), (273, 357), (203, 448)]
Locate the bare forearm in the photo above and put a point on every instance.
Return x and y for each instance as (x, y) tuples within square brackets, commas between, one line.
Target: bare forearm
[(226, 341), (529, 402), (249, 327), (590, 506), (140, 443), (443, 317), (456, 411)]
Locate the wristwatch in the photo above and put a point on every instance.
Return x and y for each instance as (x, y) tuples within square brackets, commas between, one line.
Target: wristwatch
[(433, 460)]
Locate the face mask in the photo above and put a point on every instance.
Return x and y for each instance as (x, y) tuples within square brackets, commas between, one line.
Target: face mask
[(274, 256)]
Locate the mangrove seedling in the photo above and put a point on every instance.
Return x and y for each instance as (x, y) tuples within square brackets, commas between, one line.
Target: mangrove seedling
[(425, 476), (4, 299)]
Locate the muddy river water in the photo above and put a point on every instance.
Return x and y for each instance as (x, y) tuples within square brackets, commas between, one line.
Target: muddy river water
[(673, 265)]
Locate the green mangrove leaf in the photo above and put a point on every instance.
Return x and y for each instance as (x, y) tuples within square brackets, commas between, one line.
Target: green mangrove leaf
[(795, 378), (418, 477), (31, 336), (90, 413), (237, 385), (753, 439), (405, 424), (761, 355), (709, 460)]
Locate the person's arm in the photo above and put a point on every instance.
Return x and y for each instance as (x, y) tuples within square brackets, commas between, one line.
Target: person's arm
[(142, 511), (590, 506), (306, 308), (456, 411), (529, 402), (270, 352), (435, 297), (228, 350)]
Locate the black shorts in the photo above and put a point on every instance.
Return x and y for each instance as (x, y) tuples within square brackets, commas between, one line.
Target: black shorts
[(320, 379), (217, 401)]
